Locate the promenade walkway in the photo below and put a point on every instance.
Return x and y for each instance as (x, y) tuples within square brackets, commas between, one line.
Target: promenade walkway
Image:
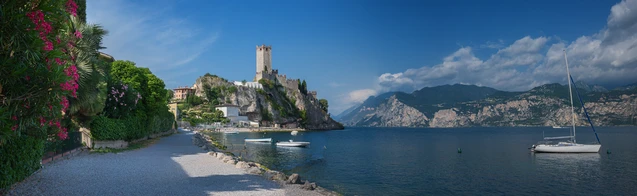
[(172, 166)]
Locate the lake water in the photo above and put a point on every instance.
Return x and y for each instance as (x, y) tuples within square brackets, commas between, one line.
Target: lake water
[(494, 161)]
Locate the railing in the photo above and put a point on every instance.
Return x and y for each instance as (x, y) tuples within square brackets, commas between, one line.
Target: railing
[(73, 141)]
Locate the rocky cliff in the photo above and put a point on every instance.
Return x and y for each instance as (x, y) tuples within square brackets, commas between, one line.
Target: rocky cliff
[(274, 104), (546, 105)]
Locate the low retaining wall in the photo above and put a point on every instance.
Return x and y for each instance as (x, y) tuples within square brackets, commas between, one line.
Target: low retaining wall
[(116, 144), (205, 142)]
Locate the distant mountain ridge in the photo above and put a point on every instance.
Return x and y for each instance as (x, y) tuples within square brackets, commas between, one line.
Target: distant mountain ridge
[(461, 105)]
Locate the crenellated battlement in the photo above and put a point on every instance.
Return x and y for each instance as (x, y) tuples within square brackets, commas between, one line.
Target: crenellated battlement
[(313, 94)]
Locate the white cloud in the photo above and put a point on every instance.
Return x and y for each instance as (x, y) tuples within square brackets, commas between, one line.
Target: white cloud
[(358, 96), (151, 35), (609, 57), (493, 45)]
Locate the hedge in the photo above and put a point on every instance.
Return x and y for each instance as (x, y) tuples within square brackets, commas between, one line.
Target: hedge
[(20, 156), (131, 128)]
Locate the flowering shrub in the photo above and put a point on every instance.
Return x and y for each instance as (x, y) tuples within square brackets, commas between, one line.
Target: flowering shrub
[(36, 72), (121, 101), (36, 76)]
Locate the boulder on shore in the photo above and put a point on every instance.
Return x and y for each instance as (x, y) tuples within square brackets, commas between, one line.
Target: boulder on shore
[(309, 186), (294, 179)]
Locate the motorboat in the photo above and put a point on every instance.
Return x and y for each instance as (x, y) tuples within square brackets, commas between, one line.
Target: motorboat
[(293, 144), (259, 140)]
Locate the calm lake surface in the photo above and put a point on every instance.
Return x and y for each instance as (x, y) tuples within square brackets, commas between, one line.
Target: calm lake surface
[(494, 161)]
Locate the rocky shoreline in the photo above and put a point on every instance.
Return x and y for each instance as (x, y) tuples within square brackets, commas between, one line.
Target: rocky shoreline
[(205, 142)]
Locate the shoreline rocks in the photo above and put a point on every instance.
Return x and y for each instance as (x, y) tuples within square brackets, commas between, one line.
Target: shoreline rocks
[(204, 142)]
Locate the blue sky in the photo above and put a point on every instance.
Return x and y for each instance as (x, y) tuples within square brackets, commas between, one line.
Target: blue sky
[(349, 50)]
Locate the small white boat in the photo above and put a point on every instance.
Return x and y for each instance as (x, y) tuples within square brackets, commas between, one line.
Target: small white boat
[(294, 132), (259, 140), (558, 127), (231, 132), (293, 144)]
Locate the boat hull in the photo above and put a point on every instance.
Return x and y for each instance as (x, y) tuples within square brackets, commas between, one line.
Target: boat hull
[(570, 148), (259, 140), (293, 144)]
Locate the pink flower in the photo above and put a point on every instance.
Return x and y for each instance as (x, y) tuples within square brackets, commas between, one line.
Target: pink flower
[(14, 118), (42, 121), (48, 46), (27, 77), (63, 134), (64, 103), (78, 34), (58, 40), (58, 61), (14, 127), (45, 27), (71, 7), (58, 125)]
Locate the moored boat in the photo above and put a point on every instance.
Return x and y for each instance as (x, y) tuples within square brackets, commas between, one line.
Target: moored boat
[(259, 140), (571, 145), (293, 144)]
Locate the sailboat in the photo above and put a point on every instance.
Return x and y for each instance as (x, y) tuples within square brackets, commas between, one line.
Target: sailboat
[(571, 145)]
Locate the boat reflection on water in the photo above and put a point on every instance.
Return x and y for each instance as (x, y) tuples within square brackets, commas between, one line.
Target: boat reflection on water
[(568, 162), (565, 158)]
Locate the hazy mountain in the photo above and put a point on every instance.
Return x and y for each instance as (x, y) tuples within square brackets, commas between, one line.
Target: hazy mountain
[(469, 105)]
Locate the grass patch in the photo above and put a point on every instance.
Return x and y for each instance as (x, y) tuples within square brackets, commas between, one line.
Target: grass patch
[(133, 146)]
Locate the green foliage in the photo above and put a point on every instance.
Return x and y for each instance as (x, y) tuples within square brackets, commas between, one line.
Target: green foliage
[(265, 114), (304, 119), (324, 104), (161, 122), (170, 94), (193, 100), (303, 87), (19, 158), (92, 69), (103, 128), (121, 102), (81, 10), (30, 78), (212, 94), (232, 89)]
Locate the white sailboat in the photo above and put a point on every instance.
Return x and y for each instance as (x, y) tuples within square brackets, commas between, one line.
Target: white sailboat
[(571, 145)]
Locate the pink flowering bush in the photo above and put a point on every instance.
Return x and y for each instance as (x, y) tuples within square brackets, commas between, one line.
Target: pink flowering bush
[(36, 76), (37, 71), (121, 101)]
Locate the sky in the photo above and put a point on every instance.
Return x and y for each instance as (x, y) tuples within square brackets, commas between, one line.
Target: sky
[(350, 50)]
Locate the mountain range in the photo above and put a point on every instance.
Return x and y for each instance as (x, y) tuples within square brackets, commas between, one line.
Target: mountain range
[(461, 105)]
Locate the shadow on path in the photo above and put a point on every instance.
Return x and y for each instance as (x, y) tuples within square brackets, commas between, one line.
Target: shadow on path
[(172, 166)]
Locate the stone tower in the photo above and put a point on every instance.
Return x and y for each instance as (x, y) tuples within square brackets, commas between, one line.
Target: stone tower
[(264, 61)]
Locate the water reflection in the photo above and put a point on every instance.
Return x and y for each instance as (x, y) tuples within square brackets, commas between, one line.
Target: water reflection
[(568, 159)]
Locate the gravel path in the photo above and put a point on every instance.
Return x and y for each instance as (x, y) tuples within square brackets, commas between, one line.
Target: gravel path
[(172, 166)]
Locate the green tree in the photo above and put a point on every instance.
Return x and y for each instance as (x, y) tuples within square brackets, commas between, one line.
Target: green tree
[(324, 104), (92, 69), (303, 88), (170, 94), (81, 10)]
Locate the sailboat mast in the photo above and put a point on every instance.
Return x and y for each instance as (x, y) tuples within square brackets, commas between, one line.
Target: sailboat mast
[(570, 92)]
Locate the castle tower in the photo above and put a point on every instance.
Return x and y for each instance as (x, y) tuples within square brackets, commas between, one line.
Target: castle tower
[(264, 61)]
